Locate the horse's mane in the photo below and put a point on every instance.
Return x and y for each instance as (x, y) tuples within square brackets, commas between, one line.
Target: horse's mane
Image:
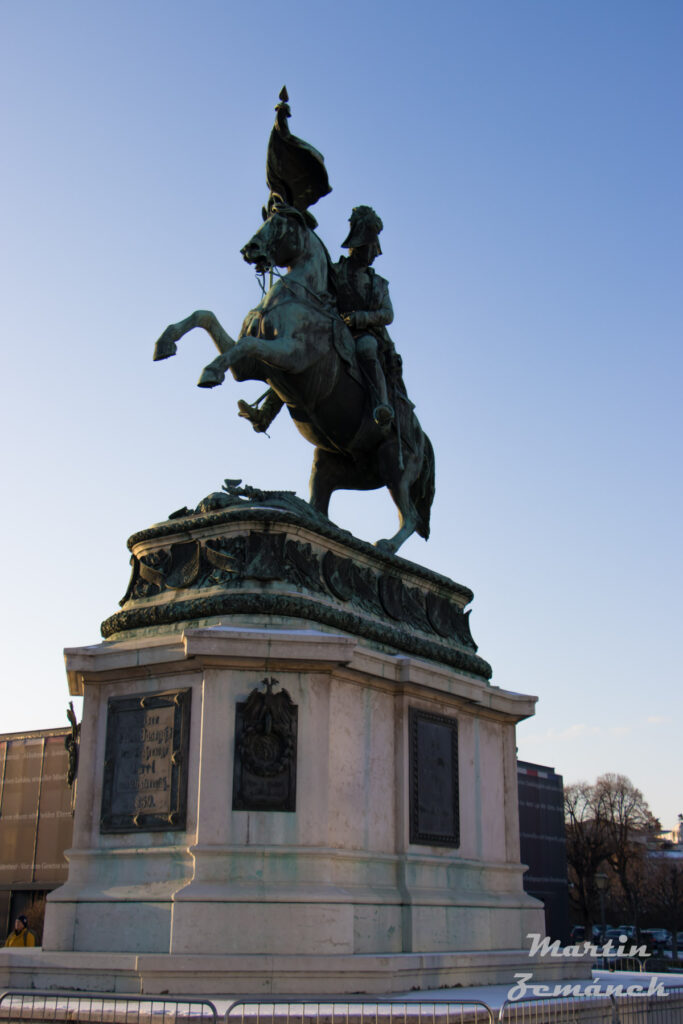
[(276, 204), (331, 272)]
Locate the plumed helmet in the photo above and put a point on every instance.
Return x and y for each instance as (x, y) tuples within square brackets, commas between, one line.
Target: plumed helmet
[(365, 229)]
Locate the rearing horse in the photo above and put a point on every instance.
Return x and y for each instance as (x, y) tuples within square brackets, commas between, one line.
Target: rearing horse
[(296, 341)]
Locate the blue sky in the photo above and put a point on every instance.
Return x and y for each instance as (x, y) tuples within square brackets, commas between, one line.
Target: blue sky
[(525, 158)]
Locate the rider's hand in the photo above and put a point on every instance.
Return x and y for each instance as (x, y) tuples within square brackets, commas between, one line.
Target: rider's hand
[(350, 320)]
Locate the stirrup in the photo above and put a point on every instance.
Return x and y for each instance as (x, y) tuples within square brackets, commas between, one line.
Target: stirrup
[(383, 415)]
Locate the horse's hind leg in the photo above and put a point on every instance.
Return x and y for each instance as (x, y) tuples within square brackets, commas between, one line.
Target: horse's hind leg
[(399, 483), (407, 520), (333, 472)]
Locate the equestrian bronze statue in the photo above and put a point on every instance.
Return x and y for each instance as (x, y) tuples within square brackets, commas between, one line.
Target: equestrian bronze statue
[(318, 339)]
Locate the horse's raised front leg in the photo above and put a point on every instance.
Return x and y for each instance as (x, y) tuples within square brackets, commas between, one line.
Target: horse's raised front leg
[(282, 353), (166, 345), (214, 373)]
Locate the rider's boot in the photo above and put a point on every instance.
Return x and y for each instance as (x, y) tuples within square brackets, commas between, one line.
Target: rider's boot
[(261, 417), (383, 413)]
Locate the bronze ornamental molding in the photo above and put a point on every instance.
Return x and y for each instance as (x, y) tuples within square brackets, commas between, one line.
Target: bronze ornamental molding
[(252, 557)]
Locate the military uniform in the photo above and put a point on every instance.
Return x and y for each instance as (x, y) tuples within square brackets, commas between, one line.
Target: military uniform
[(364, 304)]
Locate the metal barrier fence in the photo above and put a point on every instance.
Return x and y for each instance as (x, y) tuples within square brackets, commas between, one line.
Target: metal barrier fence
[(651, 1009), (633, 1010), (575, 1009), (657, 1004), (318, 1010), (619, 963), (46, 1007)]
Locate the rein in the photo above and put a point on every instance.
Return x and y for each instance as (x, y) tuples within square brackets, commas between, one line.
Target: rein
[(317, 301)]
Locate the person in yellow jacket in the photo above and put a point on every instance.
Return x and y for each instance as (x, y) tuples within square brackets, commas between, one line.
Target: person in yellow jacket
[(21, 936)]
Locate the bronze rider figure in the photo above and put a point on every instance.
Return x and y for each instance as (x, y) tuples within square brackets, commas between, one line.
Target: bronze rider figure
[(364, 304)]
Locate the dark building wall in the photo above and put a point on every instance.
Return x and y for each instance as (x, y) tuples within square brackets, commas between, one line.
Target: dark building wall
[(543, 843), (36, 822)]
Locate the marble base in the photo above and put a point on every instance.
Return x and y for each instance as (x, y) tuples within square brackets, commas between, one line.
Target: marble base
[(354, 887), (338, 876), (215, 976)]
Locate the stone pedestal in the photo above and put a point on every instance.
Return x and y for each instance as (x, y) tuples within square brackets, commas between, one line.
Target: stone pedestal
[(360, 834)]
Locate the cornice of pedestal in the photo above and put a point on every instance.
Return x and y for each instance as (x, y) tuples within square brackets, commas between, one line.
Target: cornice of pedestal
[(220, 647)]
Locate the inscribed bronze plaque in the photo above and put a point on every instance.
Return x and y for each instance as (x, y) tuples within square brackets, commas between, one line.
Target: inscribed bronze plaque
[(145, 766), (434, 797), (264, 774)]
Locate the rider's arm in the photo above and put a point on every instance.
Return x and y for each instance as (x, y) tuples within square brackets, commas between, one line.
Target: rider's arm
[(383, 314)]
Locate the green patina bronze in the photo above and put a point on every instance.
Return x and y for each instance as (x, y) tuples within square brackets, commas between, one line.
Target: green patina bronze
[(318, 338), (244, 554)]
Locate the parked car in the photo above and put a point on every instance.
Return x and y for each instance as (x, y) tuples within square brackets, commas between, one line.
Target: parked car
[(668, 950), (647, 938), (668, 953), (615, 934), (578, 934)]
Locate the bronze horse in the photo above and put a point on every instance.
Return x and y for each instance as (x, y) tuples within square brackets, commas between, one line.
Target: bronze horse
[(296, 341)]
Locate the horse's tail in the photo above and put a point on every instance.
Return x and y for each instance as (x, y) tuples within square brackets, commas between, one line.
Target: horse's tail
[(422, 490)]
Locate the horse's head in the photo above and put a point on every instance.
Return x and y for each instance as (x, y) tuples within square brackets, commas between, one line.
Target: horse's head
[(281, 240)]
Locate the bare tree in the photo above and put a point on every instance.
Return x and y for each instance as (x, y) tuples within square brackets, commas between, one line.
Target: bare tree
[(587, 847), (629, 824), (608, 825), (666, 890)]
